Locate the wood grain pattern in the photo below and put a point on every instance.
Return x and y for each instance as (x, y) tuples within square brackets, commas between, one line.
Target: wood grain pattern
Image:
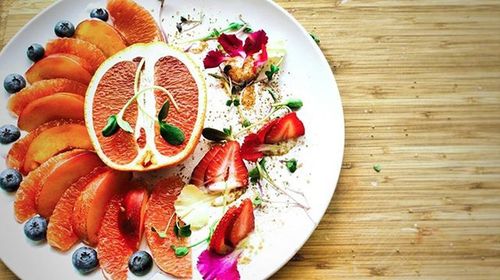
[(420, 82)]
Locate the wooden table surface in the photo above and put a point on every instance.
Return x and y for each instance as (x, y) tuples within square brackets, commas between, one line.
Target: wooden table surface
[(420, 82)]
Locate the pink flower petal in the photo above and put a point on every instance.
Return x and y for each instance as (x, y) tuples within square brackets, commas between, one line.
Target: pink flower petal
[(231, 44), (255, 42), (261, 58), (216, 267), (214, 59), (250, 148)]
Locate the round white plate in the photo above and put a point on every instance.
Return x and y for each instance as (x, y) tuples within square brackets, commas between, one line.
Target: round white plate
[(281, 230)]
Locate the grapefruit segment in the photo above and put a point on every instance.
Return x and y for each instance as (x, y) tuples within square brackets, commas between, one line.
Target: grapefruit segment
[(100, 34), (17, 102), (18, 153), (91, 204), (62, 177), (83, 49), (25, 201), (65, 66), (113, 249), (57, 106), (134, 22), (168, 74), (60, 232), (53, 141), (160, 209)]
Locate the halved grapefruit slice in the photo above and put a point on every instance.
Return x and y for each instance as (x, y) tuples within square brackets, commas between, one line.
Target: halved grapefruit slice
[(17, 102), (160, 209), (134, 22), (25, 202), (166, 74), (60, 233)]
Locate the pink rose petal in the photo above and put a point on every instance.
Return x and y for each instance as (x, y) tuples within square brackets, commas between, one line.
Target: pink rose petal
[(214, 59), (255, 42), (216, 267), (232, 45)]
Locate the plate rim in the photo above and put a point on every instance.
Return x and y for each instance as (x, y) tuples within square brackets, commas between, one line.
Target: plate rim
[(340, 138)]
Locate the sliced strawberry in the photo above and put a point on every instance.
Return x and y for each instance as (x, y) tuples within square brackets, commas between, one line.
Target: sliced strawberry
[(198, 175), (227, 169), (250, 148), (218, 242), (265, 129), (244, 223), (286, 128)]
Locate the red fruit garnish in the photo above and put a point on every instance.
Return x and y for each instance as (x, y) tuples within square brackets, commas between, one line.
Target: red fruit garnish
[(250, 148), (286, 128), (244, 224), (219, 242), (198, 175), (227, 169)]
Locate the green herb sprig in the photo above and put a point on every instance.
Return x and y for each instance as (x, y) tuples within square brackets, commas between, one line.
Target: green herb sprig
[(169, 132)]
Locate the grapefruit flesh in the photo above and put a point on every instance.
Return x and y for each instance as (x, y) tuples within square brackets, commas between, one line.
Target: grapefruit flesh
[(134, 22), (113, 249), (172, 74), (160, 209), (83, 49), (17, 102), (60, 232), (25, 201), (91, 205), (166, 71), (62, 177)]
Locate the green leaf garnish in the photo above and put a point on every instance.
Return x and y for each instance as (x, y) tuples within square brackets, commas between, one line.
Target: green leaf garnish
[(291, 165), (315, 38), (180, 251), (172, 134), (247, 30), (257, 201), (294, 104), (164, 111), (377, 167), (215, 135), (272, 70), (111, 127), (161, 234), (234, 26), (228, 131), (254, 175), (229, 102), (182, 231), (246, 123), (236, 102)]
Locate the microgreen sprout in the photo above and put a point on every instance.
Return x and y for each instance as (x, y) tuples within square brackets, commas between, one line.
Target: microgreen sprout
[(291, 165), (273, 69)]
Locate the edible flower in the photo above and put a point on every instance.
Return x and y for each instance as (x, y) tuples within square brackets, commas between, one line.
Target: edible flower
[(214, 266), (253, 49)]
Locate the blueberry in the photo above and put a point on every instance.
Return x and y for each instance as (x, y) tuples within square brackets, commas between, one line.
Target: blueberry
[(85, 259), (36, 228), (35, 52), (14, 83), (100, 13), (140, 263), (9, 133), (10, 179), (64, 28)]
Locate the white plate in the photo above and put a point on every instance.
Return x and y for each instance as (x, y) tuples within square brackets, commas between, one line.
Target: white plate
[(306, 74)]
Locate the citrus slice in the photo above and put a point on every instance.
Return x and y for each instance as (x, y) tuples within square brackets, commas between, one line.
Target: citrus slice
[(60, 233), (87, 51), (17, 102), (168, 74), (20, 151), (25, 202), (62, 105), (134, 22), (113, 249), (160, 209)]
